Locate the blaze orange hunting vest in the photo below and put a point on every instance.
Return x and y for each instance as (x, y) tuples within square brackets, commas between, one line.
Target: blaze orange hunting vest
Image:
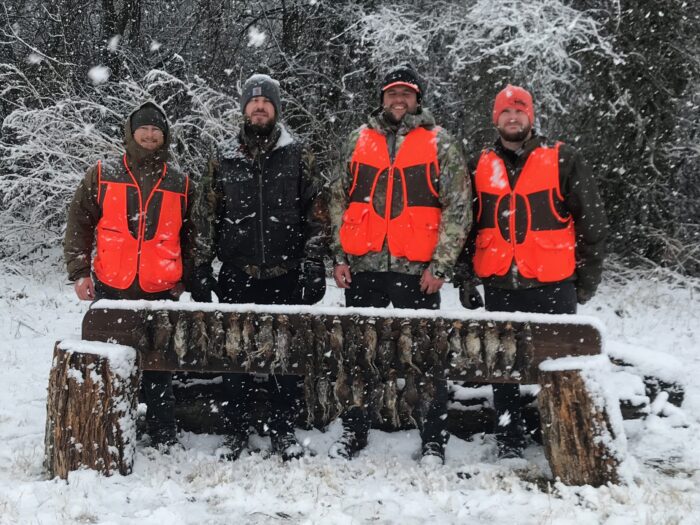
[(525, 223), (413, 233), (121, 254)]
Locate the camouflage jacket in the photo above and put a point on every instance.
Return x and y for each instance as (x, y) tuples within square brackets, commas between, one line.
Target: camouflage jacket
[(454, 196), (229, 226)]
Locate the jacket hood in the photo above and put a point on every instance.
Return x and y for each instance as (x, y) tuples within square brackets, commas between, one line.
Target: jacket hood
[(135, 152)]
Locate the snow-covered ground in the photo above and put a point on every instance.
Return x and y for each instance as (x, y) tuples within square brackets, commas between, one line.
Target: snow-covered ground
[(655, 323)]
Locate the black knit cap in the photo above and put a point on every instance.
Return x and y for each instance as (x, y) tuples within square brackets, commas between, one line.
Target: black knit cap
[(402, 75), (261, 86), (149, 115)]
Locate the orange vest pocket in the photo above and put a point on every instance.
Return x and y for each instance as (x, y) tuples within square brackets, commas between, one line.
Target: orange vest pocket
[(418, 235), (354, 233), (492, 256), (553, 253)]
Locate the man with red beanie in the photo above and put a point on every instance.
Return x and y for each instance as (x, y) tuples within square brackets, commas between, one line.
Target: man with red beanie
[(539, 237)]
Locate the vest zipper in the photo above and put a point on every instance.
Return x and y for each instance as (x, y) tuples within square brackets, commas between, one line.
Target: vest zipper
[(513, 233), (389, 194), (261, 164), (142, 213)]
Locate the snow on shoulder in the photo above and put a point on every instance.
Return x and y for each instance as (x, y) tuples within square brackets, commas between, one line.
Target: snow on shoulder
[(122, 359), (286, 138)]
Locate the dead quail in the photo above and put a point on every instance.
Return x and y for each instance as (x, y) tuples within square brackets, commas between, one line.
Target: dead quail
[(283, 343), (510, 348), (181, 336), (491, 347), (234, 338), (217, 335), (405, 346)]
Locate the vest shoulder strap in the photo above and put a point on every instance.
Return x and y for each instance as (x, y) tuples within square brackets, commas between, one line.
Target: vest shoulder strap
[(113, 171)]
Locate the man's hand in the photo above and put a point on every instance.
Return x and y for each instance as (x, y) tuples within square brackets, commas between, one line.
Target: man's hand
[(202, 284), (85, 289), (469, 296), (176, 291), (430, 284), (312, 282), (583, 295), (342, 275)]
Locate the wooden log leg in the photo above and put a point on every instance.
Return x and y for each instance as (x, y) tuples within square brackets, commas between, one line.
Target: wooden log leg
[(91, 408), (577, 434)]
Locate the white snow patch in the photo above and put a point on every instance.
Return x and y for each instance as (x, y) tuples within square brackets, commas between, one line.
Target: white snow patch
[(122, 359), (34, 58)]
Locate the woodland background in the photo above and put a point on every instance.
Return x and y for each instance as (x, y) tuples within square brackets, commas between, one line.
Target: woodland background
[(619, 79)]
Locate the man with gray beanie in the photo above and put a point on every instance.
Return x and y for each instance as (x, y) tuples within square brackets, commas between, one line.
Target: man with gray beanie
[(262, 212)]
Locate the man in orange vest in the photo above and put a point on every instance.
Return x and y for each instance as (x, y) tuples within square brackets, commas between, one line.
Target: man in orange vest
[(539, 239), (134, 210), (400, 213)]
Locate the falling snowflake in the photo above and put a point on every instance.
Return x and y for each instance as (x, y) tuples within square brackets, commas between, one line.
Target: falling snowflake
[(256, 38), (113, 43), (34, 58), (99, 74)]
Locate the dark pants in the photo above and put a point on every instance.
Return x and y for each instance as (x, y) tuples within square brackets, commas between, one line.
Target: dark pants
[(242, 390), (558, 298), (378, 289), (156, 387)]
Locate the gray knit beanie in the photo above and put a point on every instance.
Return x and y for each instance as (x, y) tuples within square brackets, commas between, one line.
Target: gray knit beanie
[(261, 86)]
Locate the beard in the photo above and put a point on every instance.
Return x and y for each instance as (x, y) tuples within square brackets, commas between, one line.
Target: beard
[(391, 119), (261, 130), (515, 136)]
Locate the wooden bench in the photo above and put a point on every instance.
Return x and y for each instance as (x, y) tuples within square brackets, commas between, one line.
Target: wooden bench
[(385, 358)]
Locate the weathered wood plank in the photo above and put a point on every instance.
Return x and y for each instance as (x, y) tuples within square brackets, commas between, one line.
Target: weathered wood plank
[(193, 345)]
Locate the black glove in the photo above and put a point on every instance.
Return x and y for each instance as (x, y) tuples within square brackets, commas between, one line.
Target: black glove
[(469, 296), (583, 295), (203, 284), (312, 281)]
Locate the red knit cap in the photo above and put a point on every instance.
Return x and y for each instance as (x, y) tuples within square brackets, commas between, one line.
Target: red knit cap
[(513, 97)]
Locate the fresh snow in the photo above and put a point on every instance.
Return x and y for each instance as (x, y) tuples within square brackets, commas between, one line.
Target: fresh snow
[(651, 324)]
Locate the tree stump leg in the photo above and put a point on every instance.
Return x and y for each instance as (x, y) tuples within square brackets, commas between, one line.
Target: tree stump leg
[(579, 440), (91, 408)]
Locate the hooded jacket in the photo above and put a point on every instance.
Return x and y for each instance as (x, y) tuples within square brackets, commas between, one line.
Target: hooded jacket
[(87, 206)]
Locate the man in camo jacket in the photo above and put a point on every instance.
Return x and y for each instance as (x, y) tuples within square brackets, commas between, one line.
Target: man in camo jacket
[(400, 212)]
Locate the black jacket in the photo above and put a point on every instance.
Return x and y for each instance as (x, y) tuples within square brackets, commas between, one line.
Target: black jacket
[(263, 209)]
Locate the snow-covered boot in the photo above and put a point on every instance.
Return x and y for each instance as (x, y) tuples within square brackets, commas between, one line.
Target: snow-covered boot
[(287, 446), (354, 438), (432, 453), (234, 444)]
